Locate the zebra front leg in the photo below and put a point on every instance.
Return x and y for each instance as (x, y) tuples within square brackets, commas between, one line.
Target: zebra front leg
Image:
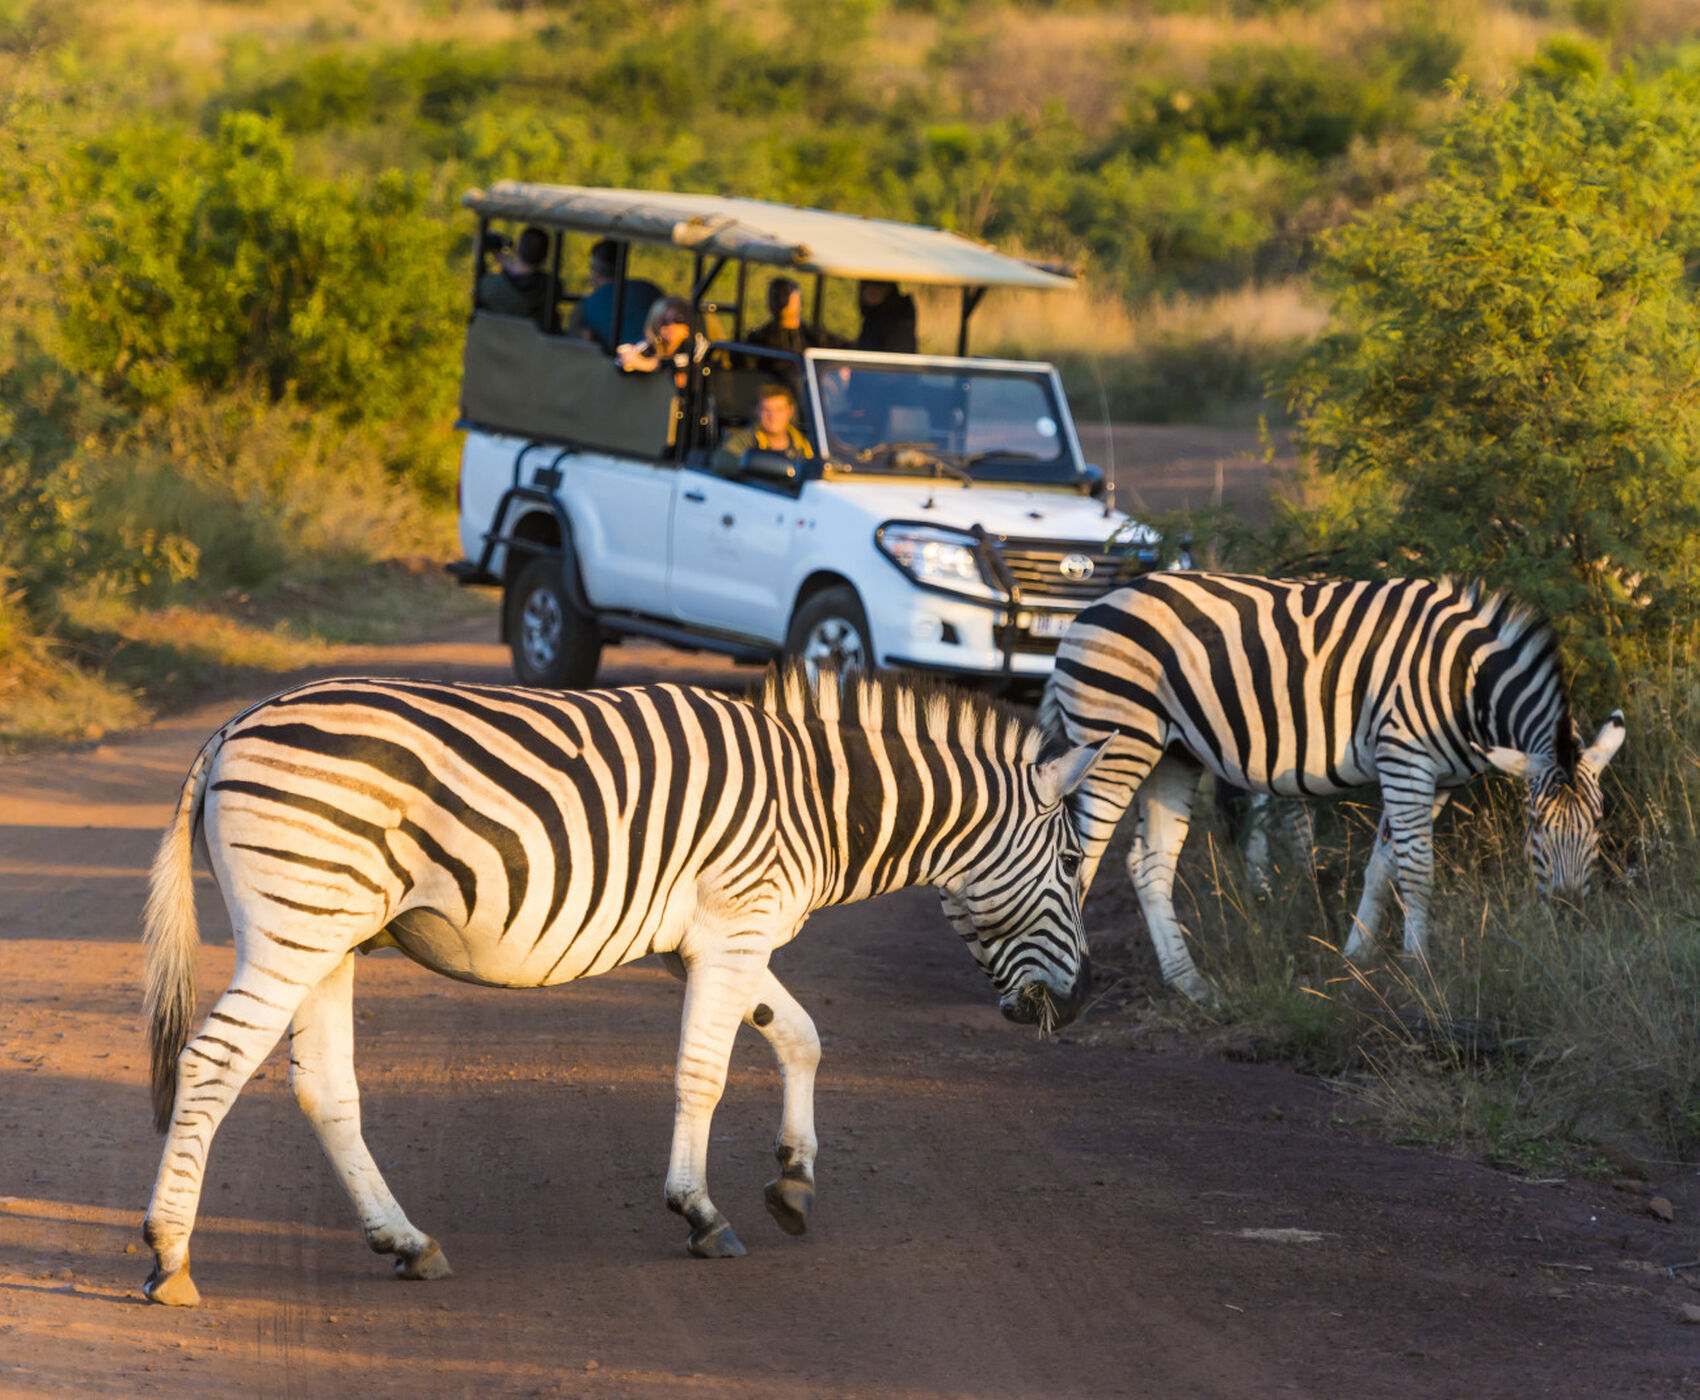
[(1165, 812), (239, 1033), (321, 1072), (1410, 817), (716, 999), (789, 1031), (1378, 884)]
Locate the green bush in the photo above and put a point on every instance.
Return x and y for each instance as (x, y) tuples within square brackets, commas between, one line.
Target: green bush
[(1510, 391), (199, 266), (1270, 98)]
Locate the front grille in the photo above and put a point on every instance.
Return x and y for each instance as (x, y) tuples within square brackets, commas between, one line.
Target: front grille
[(1019, 643), (1036, 568)]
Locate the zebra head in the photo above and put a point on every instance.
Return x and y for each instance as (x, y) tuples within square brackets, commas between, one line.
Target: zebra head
[(1564, 809), (1018, 906)]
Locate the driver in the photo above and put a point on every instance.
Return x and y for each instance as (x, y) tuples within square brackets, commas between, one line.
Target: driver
[(773, 431)]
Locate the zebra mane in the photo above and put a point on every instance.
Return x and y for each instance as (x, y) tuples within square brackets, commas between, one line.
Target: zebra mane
[(885, 704), (1518, 626)]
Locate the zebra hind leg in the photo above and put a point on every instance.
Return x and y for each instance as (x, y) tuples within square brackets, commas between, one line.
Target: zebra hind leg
[(243, 1026), (791, 1034), (1165, 812), (321, 1073), (717, 997)]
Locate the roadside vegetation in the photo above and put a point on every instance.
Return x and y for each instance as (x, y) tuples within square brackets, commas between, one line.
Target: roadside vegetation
[(1507, 390), (1452, 247)]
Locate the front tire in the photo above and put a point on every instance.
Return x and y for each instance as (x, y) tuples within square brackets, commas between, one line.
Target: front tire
[(553, 645), (831, 631)]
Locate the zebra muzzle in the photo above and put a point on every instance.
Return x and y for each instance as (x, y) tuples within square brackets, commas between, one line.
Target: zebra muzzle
[(1036, 1004)]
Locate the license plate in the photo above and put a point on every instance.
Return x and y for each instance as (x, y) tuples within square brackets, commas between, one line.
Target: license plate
[(1049, 624)]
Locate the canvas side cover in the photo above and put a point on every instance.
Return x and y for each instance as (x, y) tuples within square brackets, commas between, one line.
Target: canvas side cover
[(515, 379)]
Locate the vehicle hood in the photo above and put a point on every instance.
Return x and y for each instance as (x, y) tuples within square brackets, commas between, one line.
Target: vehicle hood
[(998, 509)]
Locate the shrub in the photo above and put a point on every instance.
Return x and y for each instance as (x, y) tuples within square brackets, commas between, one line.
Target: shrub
[(198, 266), (1509, 392), (1268, 98)]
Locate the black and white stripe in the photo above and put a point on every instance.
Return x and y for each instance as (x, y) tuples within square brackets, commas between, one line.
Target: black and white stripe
[(522, 838), (1309, 689)]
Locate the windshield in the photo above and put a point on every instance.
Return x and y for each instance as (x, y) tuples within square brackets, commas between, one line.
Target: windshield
[(992, 424)]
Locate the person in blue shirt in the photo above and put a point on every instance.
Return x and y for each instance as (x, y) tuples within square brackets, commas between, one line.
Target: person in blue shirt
[(593, 318)]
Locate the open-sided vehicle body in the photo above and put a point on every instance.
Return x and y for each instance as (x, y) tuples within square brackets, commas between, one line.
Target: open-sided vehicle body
[(941, 517)]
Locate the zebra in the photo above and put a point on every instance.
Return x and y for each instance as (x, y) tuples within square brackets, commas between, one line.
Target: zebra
[(522, 838), (1305, 689)]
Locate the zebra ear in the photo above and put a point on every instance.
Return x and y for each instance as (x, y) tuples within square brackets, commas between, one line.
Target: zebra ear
[(1056, 779), (1513, 761), (1606, 743)]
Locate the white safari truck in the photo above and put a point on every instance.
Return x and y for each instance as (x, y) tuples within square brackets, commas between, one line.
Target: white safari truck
[(940, 517)]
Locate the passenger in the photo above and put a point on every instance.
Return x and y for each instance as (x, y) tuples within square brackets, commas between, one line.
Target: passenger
[(784, 330), (773, 431), (519, 286), (888, 319), (666, 340), (593, 318)]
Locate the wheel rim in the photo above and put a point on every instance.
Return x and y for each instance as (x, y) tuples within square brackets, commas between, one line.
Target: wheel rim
[(540, 626), (836, 644)]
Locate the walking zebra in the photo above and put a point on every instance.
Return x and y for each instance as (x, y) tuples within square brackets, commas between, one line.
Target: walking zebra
[(521, 838), (1307, 689)]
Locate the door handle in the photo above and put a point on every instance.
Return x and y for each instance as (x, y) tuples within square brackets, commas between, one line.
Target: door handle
[(695, 496)]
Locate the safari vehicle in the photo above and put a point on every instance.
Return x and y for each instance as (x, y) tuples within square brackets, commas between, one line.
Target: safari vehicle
[(942, 519)]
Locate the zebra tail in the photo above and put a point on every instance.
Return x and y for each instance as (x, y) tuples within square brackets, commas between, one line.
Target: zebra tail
[(171, 941), (1050, 711)]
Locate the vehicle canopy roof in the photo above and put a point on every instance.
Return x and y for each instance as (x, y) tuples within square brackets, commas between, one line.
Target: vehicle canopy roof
[(779, 235)]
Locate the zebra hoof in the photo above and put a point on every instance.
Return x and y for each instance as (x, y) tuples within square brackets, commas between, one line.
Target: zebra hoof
[(1193, 986), (716, 1241), (173, 1290), (428, 1264), (789, 1203)]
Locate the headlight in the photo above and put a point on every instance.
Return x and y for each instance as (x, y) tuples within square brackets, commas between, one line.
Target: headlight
[(942, 558)]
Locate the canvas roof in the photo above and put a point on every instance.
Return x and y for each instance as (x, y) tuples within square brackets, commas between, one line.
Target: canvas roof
[(781, 235)]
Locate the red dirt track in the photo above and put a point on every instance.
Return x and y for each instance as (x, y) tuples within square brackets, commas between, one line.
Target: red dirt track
[(998, 1215)]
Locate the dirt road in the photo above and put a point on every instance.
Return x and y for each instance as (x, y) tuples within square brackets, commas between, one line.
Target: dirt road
[(998, 1216)]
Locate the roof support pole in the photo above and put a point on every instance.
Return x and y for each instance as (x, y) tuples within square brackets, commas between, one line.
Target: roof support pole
[(820, 300), (738, 314), (552, 312), (478, 259), (619, 321), (703, 280), (970, 299)]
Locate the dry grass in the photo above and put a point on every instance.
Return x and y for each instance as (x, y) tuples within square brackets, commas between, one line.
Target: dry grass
[(998, 58), (115, 664), (1203, 359), (195, 32), (1045, 324)]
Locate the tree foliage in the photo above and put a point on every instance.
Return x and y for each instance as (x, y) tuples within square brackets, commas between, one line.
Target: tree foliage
[(1513, 387), (200, 266)]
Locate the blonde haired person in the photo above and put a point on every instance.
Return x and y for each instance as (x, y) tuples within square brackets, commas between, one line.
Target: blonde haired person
[(666, 337)]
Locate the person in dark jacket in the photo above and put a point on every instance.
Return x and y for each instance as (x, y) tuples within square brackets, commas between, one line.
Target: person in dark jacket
[(888, 319), (785, 330), (519, 287)]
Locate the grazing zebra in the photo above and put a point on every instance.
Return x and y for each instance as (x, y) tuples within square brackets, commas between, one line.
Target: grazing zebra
[(1307, 689), (520, 838)]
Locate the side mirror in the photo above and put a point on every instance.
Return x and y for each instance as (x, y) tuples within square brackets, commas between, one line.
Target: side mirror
[(769, 466), (1093, 475)]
